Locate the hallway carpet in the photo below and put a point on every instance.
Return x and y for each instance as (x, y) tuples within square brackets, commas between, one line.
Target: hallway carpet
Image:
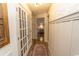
[(39, 50)]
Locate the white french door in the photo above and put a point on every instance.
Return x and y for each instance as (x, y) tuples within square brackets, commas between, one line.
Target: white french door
[(22, 30)]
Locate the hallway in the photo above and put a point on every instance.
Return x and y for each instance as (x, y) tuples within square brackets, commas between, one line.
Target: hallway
[(39, 29)]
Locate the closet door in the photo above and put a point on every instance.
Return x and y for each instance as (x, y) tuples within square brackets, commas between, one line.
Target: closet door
[(75, 38), (51, 38), (56, 40), (62, 38)]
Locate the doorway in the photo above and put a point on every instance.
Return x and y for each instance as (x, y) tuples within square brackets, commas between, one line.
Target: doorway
[(40, 29)]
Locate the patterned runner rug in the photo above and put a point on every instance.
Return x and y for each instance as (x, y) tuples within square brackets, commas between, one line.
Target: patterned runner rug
[(39, 50)]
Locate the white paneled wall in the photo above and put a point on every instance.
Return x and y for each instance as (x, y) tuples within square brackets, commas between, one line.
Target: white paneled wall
[(62, 37), (75, 38), (64, 32)]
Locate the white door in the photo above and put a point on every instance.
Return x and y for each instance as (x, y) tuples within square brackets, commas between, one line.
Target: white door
[(75, 38), (22, 30), (51, 38), (62, 38)]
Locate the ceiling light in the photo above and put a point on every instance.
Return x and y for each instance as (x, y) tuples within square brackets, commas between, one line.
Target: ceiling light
[(37, 4)]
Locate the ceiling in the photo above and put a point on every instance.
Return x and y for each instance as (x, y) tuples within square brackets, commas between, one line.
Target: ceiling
[(41, 8)]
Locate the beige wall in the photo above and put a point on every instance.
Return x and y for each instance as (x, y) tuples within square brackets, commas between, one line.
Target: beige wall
[(34, 26), (63, 37)]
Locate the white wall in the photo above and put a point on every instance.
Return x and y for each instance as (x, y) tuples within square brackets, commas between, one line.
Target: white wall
[(63, 37), (11, 48), (58, 10)]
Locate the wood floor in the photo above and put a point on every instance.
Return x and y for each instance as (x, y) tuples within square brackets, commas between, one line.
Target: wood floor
[(39, 48)]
